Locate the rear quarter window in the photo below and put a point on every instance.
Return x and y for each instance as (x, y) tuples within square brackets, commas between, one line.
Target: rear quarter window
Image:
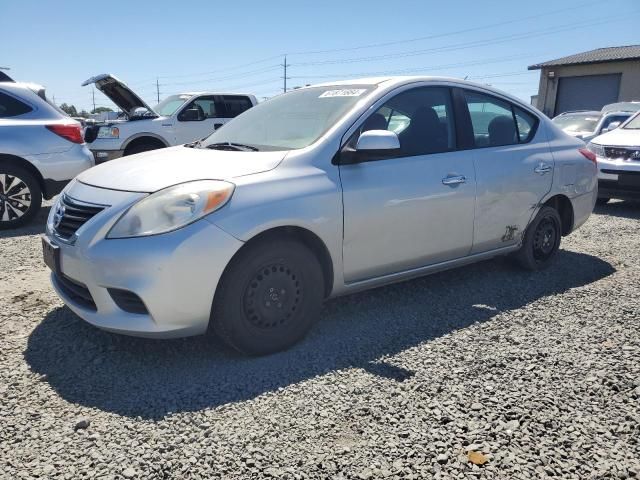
[(12, 107)]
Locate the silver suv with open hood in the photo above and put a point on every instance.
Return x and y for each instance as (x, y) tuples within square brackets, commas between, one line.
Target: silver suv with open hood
[(178, 119)]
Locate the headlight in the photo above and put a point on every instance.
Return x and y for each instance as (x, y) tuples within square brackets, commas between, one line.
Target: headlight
[(172, 208), (595, 148), (108, 132)]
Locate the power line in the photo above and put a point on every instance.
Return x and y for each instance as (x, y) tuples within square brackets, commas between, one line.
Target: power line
[(460, 46), (447, 34)]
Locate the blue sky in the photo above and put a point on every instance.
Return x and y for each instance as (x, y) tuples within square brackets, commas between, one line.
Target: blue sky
[(239, 45)]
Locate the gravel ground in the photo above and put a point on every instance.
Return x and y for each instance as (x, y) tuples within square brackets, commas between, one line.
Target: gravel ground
[(481, 372)]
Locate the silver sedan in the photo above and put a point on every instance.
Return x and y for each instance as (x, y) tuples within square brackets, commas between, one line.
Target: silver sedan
[(319, 192)]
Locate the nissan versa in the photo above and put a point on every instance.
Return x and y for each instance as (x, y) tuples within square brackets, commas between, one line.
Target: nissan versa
[(315, 193)]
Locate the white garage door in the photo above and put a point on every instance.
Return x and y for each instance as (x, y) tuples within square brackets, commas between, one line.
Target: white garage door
[(590, 92)]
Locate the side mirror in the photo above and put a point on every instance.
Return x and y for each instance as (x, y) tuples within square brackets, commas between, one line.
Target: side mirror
[(612, 126), (191, 115), (377, 140)]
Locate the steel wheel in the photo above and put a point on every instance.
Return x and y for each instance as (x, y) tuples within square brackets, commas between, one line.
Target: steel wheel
[(15, 197), (272, 296), (544, 239)]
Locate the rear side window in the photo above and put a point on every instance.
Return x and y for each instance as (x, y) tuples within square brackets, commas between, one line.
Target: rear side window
[(236, 104), (496, 122), (12, 107)]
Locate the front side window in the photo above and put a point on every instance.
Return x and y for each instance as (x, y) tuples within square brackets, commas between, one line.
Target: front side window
[(496, 122), (292, 120), (12, 107), (422, 118), (206, 107), (613, 118)]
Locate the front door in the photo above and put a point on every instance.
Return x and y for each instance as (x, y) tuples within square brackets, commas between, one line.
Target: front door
[(514, 169), (205, 115), (415, 207)]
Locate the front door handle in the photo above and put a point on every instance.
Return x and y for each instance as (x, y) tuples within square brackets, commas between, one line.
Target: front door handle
[(454, 180), (542, 168)]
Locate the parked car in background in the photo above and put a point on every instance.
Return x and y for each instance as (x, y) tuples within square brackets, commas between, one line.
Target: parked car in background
[(618, 154), (41, 149), (588, 124), (318, 192), (178, 119)]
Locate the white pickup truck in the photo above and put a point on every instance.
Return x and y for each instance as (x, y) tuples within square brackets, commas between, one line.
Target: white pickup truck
[(178, 119)]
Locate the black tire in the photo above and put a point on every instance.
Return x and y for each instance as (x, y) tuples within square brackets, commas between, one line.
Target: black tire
[(602, 201), (541, 240), (269, 297), (20, 196), (142, 147)]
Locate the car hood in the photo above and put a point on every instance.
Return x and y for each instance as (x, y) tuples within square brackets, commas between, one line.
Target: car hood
[(119, 93), (152, 171), (620, 137)]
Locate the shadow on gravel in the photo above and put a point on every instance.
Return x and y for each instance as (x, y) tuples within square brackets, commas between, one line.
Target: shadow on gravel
[(34, 228), (624, 209), (152, 378)]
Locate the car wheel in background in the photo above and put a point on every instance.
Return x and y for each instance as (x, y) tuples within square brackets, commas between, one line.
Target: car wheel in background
[(602, 201), (269, 297), (541, 240), (20, 196), (143, 147)]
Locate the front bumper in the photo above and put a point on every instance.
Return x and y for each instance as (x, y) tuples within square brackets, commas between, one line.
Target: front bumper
[(618, 178), (102, 156), (175, 275)]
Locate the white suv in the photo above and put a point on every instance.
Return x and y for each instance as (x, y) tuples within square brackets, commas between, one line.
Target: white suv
[(178, 119), (41, 149)]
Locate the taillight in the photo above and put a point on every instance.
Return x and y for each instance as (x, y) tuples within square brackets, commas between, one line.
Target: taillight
[(589, 155), (71, 132)]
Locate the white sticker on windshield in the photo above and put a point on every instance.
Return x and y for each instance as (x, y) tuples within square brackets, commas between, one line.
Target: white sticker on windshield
[(346, 92)]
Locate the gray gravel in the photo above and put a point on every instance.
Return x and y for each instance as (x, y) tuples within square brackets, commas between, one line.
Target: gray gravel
[(481, 372)]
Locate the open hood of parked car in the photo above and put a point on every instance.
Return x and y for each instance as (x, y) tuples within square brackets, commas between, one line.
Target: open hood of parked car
[(119, 93), (157, 169)]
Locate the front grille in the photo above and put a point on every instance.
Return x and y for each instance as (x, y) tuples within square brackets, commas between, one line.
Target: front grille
[(628, 153), (128, 301), (77, 292), (70, 215)]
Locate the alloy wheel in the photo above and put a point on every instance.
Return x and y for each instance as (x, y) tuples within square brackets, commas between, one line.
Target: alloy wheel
[(15, 198)]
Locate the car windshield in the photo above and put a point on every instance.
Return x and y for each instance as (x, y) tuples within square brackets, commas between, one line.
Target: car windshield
[(292, 120), (169, 105), (577, 122), (634, 123)]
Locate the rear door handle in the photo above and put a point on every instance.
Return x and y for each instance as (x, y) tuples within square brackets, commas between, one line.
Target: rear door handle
[(454, 180), (542, 168)]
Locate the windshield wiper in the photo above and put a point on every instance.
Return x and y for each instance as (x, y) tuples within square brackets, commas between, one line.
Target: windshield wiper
[(232, 146), (195, 144)]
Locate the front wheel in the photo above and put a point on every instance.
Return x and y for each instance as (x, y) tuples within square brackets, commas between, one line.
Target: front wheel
[(541, 240), (269, 297), (20, 196)]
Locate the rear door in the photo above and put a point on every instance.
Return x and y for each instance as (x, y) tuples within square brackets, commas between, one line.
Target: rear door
[(513, 164), (412, 208), (235, 105)]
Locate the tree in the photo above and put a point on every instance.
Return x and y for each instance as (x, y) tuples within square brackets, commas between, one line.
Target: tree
[(101, 110), (69, 110)]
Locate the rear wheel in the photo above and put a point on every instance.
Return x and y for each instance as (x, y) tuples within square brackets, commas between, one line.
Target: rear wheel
[(269, 297), (20, 196), (541, 241), (602, 201)]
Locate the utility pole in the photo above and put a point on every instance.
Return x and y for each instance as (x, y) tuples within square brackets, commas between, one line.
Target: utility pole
[(158, 89), (93, 98), (285, 65)]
